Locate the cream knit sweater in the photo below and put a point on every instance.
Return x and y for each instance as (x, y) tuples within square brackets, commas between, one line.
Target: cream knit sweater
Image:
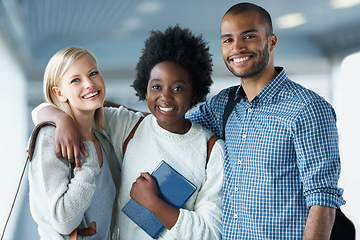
[(200, 218)]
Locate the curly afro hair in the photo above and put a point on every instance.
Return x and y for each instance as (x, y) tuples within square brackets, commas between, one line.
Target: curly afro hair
[(179, 46)]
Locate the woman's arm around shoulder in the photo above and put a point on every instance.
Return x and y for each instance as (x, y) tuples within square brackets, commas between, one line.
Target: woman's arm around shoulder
[(118, 124)]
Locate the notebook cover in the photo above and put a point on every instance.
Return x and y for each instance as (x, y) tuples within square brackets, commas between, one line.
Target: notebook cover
[(173, 188)]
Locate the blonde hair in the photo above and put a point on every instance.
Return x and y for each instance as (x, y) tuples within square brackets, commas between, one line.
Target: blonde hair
[(55, 70)]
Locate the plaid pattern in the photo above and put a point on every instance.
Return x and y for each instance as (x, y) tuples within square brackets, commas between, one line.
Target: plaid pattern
[(281, 157)]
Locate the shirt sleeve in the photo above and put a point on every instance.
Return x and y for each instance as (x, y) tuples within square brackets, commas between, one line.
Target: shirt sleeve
[(119, 122), (317, 151), (210, 113), (54, 195), (204, 222)]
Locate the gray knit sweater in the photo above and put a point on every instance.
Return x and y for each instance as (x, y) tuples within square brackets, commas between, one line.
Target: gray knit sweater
[(57, 202)]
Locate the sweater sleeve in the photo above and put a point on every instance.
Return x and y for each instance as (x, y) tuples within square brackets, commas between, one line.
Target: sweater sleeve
[(119, 123), (35, 111), (54, 195), (210, 113), (204, 222)]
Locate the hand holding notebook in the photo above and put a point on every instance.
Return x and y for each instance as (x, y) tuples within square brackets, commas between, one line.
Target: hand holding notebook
[(144, 190), (173, 189)]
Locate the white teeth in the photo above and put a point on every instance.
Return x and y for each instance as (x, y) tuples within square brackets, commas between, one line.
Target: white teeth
[(166, 109), (237, 60), (91, 95)]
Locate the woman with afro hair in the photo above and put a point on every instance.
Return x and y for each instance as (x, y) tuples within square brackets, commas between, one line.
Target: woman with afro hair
[(173, 75), (179, 46)]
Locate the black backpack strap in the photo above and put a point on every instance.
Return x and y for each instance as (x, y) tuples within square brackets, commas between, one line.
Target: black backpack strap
[(229, 107), (344, 228)]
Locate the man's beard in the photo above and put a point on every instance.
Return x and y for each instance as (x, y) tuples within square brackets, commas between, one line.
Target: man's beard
[(257, 68)]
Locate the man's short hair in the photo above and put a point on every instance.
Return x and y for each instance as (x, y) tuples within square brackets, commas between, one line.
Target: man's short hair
[(246, 7)]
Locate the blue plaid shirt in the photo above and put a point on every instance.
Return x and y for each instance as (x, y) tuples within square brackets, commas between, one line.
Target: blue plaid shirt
[(281, 157)]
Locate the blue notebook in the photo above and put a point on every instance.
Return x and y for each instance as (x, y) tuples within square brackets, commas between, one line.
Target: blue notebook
[(173, 188)]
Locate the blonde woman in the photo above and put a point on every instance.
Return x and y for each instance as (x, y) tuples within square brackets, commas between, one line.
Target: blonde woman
[(59, 204)]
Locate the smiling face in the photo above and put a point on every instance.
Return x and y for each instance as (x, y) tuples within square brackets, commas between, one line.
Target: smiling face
[(246, 46), (82, 86), (169, 94)]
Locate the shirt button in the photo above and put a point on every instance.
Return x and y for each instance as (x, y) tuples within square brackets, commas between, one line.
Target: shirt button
[(235, 216), (236, 189), (239, 161), (249, 110), (244, 136)]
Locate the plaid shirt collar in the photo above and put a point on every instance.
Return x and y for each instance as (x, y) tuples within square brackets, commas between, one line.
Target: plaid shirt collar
[(269, 91)]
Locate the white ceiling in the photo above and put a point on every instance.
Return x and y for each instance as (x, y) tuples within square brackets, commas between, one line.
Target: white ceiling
[(115, 30)]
